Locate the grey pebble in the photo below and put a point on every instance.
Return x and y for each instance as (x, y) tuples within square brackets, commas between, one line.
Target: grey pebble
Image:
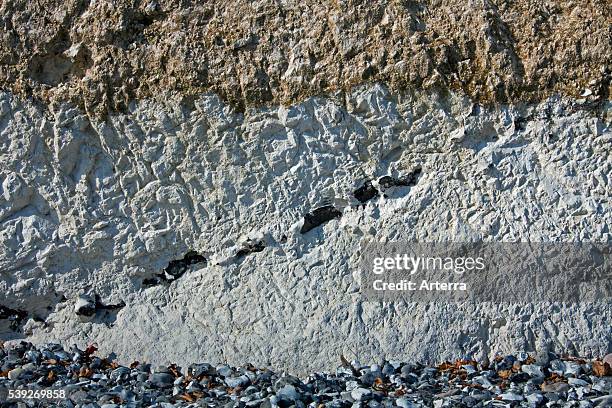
[(577, 382), (535, 399), (161, 380), (510, 396), (234, 382), (533, 370), (288, 393), (406, 385), (361, 394)]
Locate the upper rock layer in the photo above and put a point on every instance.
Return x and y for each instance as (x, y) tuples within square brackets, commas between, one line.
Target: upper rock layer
[(102, 54)]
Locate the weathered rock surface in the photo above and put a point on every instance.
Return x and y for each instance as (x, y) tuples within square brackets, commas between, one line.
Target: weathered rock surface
[(103, 54), (109, 207)]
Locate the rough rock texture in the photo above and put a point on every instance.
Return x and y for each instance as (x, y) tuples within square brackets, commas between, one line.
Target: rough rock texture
[(102, 54), (188, 181), (186, 219)]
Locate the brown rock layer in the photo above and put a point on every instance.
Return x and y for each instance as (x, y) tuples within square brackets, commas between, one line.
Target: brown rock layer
[(102, 54)]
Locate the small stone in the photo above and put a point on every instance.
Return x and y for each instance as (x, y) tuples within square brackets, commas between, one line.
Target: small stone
[(535, 399), (198, 370), (533, 370), (469, 401), (482, 380), (469, 369), (406, 370), (608, 359), (288, 393), (605, 401), (32, 355), (582, 391), (119, 372), (602, 386), (127, 395), (15, 373), (555, 387), (577, 382), (388, 370), (572, 368), (225, 371), (522, 356), (405, 403), (351, 385), (557, 366), (361, 394), (395, 364), (369, 378), (428, 372), (162, 380), (234, 382), (510, 396)]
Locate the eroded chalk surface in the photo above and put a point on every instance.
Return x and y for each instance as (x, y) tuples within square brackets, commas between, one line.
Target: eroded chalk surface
[(185, 231)]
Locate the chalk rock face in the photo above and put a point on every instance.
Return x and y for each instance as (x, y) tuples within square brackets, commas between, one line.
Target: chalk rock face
[(198, 232)]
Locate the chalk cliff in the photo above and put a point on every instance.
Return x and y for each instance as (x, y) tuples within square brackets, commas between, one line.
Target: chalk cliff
[(183, 182)]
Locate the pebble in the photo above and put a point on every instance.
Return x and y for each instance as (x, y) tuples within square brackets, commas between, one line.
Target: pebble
[(234, 382), (120, 372), (535, 399), (522, 356), (555, 387), (577, 382), (608, 359), (405, 403), (572, 368), (469, 369), (533, 370), (198, 370), (288, 393), (557, 366), (388, 369), (93, 381), (15, 373), (510, 396), (225, 371), (361, 394), (162, 380), (482, 380)]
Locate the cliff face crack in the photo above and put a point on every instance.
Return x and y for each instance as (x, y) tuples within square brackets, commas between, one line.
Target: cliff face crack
[(366, 192), (177, 268), (251, 247), (408, 180), (102, 306), (14, 316), (319, 216), (85, 306)]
